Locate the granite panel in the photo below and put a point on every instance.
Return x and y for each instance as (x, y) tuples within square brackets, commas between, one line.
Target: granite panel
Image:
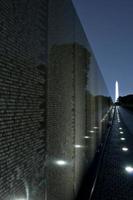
[(53, 101), (78, 102), (23, 77)]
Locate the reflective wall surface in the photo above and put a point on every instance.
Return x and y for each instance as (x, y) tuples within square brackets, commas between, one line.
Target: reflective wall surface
[(54, 102), (23, 61), (78, 102)]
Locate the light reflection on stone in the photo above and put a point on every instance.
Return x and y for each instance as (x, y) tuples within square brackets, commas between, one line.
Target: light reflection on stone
[(61, 162), (123, 139), (78, 146), (20, 199), (124, 149), (91, 131), (87, 137), (129, 169), (95, 127), (72, 65)]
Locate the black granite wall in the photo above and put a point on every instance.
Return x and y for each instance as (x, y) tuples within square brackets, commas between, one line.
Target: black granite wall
[(23, 79), (77, 102), (53, 101)]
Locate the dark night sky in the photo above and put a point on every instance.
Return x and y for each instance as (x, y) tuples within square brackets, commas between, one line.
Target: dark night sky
[(109, 27)]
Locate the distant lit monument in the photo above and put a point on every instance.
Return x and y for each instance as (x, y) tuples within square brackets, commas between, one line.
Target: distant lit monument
[(116, 91)]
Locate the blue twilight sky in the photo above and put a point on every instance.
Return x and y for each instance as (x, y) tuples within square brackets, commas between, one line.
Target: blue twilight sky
[(109, 27)]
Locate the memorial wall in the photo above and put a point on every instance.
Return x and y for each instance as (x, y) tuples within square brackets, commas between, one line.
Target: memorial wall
[(54, 104), (23, 94)]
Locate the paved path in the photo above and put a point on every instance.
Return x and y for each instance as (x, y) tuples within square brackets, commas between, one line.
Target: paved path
[(115, 181)]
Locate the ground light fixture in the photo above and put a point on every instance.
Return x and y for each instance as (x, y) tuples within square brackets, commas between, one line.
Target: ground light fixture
[(122, 139), (124, 149), (95, 127), (61, 162), (86, 137), (78, 146), (91, 131), (129, 169)]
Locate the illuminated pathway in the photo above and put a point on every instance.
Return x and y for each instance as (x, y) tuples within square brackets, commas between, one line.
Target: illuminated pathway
[(115, 180)]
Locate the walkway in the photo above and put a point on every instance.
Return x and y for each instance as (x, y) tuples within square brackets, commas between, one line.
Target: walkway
[(115, 181)]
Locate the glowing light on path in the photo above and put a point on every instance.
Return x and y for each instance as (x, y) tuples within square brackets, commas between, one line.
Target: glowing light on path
[(129, 169), (61, 162), (123, 139), (124, 149)]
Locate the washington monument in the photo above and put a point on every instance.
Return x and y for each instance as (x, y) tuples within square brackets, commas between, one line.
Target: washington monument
[(116, 91)]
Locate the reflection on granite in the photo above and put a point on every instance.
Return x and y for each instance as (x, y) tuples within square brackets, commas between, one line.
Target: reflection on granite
[(78, 100), (53, 99), (66, 117)]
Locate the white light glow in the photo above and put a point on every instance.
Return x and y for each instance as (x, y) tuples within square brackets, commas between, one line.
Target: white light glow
[(91, 131), (61, 162), (20, 199), (78, 146), (95, 127), (121, 132), (123, 139), (116, 91), (120, 128), (129, 169), (124, 149), (87, 137)]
